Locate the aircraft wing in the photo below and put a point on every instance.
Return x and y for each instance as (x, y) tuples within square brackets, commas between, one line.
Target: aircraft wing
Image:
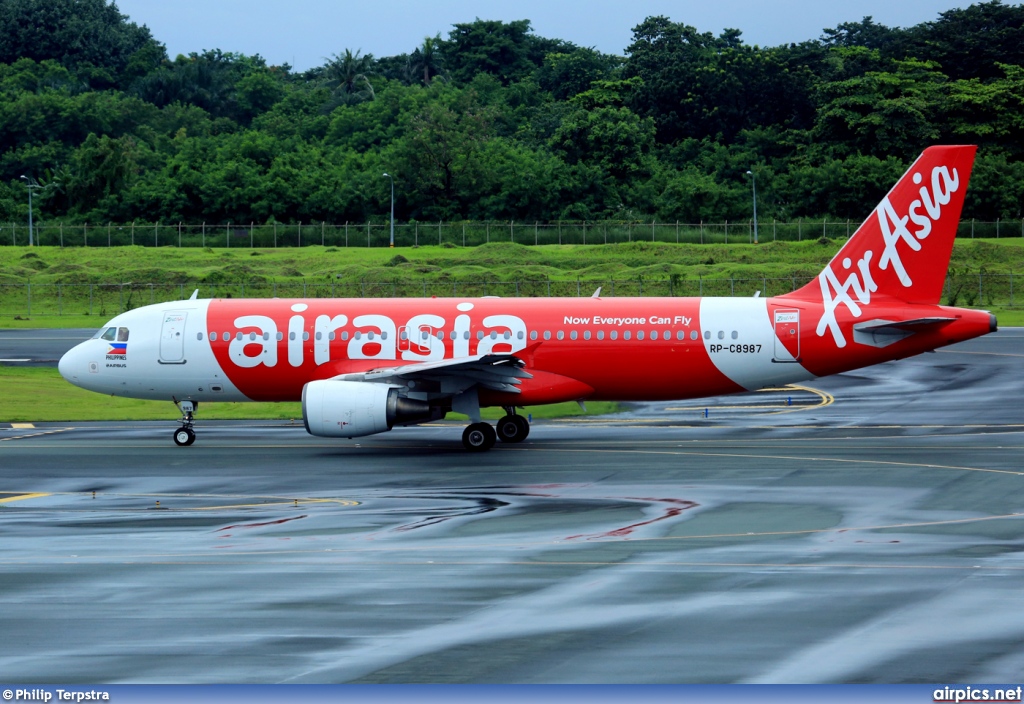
[(498, 372)]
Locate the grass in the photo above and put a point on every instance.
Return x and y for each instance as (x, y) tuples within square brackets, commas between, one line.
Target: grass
[(40, 394)]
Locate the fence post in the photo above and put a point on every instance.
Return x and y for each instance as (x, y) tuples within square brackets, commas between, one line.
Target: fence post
[(109, 224), (416, 238), (972, 228), (85, 234), (535, 232), (1011, 288), (323, 224), (133, 233), (121, 289), (799, 229), (90, 299), (732, 286), (823, 221), (487, 227), (227, 235), (346, 234), (677, 232), (727, 232), (204, 235), (275, 235), (62, 232), (512, 232), (584, 232), (300, 241), (156, 236), (29, 285), (652, 230), (997, 229), (463, 234), (179, 234), (702, 232), (250, 234), (367, 234), (773, 229)]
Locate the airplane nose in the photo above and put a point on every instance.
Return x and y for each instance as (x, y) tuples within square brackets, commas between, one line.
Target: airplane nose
[(69, 365)]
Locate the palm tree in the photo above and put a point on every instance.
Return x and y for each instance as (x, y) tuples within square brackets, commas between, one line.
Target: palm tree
[(349, 73), (428, 59)]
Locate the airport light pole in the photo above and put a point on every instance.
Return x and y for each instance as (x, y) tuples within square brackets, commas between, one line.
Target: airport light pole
[(30, 185), (753, 183), (392, 210)]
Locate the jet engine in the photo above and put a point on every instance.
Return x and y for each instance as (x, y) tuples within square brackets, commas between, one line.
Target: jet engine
[(351, 409)]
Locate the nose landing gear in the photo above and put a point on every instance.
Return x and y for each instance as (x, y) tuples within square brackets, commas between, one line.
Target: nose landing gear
[(185, 436)]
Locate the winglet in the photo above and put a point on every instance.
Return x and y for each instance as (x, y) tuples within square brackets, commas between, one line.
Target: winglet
[(194, 296)]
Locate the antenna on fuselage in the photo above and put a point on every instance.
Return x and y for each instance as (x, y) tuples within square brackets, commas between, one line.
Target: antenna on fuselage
[(597, 293), (194, 296)]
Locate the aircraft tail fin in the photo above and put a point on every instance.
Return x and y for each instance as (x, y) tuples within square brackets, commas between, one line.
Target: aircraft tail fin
[(902, 249)]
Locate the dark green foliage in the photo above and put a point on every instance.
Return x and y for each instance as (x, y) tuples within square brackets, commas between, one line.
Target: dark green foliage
[(492, 122)]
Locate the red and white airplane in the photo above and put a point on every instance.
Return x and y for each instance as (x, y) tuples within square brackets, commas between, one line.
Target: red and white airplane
[(363, 366)]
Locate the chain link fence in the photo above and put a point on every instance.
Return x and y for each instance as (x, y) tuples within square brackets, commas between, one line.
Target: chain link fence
[(107, 300), (455, 234)]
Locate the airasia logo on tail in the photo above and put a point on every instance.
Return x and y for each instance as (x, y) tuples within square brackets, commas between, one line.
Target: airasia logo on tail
[(859, 283)]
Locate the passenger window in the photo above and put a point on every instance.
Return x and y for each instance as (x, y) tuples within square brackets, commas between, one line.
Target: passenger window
[(735, 334), (519, 335), (291, 335), (122, 334), (615, 334), (707, 334), (226, 336), (626, 335), (533, 334), (547, 334), (359, 335), (572, 335), (319, 336), (369, 335), (199, 336), (639, 334), (239, 336), (508, 335), (280, 336), (454, 335), (252, 336), (331, 335), (110, 334), (680, 335), (404, 335), (494, 334), (213, 337), (479, 334), (721, 334), (561, 335), (600, 334), (668, 336), (440, 335), (693, 335), (344, 335), (586, 334)]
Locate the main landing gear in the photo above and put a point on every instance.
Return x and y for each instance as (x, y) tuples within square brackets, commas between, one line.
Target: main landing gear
[(479, 437), (184, 435)]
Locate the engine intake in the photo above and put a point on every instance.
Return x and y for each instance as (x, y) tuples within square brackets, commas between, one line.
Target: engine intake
[(352, 409)]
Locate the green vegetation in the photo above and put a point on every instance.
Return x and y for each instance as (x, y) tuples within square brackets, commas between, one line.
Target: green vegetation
[(40, 394), (494, 122)]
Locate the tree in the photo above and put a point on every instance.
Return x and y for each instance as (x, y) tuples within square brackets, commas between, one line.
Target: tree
[(80, 34), (506, 50), (568, 74), (427, 60), (348, 74)]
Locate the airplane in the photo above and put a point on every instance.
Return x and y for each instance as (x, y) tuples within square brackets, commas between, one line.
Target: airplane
[(364, 366)]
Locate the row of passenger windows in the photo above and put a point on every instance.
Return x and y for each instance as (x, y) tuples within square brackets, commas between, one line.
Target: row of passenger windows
[(559, 335)]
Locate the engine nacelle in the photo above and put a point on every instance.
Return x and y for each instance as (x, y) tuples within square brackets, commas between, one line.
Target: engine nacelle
[(351, 409)]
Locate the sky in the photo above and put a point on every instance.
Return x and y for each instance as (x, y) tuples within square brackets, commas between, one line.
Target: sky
[(303, 33)]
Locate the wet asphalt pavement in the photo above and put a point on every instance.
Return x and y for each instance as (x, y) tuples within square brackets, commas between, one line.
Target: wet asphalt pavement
[(866, 528)]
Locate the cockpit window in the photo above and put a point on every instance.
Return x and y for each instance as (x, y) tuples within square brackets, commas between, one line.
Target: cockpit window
[(122, 334), (109, 334)]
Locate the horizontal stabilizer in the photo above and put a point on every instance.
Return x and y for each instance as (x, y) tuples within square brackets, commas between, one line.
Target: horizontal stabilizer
[(882, 333)]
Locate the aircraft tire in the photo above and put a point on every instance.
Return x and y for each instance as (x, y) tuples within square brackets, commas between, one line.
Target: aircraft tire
[(183, 437), (479, 437), (512, 429)]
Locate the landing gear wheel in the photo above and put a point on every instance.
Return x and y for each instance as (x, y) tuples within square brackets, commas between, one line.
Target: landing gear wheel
[(479, 437), (512, 429), (184, 437)]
